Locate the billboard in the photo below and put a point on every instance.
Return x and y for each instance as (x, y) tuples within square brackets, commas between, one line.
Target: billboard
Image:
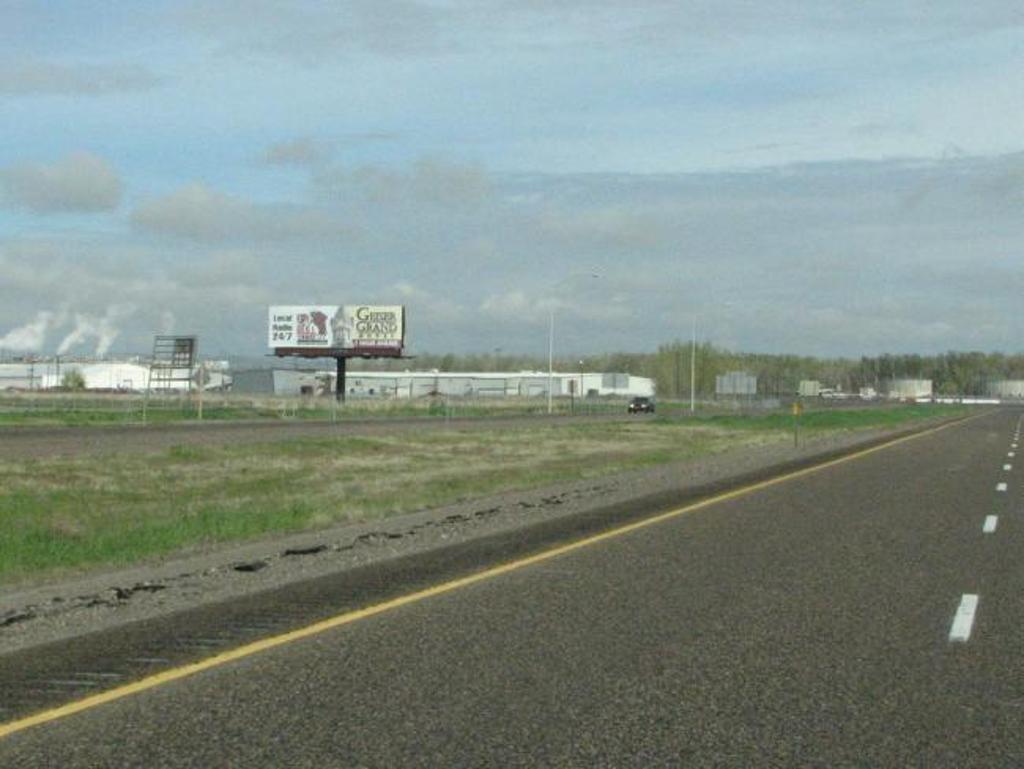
[(357, 329), (301, 326), (367, 328)]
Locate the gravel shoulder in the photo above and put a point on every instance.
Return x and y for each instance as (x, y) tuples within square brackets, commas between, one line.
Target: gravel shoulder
[(32, 614)]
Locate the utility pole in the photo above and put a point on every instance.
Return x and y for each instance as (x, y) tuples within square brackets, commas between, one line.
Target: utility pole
[(677, 379), (551, 336), (693, 366), (551, 357)]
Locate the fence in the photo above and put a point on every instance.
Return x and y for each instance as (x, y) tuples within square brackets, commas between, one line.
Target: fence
[(131, 408)]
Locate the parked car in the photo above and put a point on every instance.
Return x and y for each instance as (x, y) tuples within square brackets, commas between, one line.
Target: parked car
[(641, 405)]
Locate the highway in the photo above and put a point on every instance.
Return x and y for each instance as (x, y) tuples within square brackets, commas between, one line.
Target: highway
[(865, 613)]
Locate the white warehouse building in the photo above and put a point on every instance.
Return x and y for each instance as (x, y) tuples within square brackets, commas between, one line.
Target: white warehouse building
[(416, 384), (1007, 388), (113, 376), (47, 375), (908, 388)]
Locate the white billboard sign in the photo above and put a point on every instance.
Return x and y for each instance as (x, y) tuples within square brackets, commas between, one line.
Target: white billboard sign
[(305, 326), (358, 328), (370, 328)]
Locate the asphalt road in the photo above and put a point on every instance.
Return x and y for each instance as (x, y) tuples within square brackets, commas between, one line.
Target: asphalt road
[(806, 623)]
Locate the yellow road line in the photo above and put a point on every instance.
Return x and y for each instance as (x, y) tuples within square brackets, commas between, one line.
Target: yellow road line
[(273, 642)]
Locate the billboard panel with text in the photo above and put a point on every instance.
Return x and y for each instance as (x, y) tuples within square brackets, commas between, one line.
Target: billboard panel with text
[(356, 329), (368, 328)]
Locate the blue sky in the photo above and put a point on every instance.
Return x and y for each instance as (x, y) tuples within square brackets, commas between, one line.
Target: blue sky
[(829, 178)]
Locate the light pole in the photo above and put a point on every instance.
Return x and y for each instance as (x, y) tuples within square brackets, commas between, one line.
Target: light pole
[(551, 336), (551, 356), (693, 366)]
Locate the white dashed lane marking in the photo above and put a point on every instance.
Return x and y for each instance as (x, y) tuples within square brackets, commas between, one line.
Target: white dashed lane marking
[(1000, 487), (991, 521), (963, 620), (1007, 467)]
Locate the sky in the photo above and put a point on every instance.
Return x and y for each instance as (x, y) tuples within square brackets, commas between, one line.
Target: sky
[(828, 178)]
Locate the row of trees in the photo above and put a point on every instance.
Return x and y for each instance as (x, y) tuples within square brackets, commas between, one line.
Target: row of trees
[(952, 373)]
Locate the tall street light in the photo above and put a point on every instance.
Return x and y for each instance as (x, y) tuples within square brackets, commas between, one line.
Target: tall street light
[(693, 365), (551, 357), (551, 335)]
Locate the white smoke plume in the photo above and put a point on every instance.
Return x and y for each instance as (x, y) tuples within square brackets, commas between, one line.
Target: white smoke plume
[(31, 337), (109, 331), (103, 329), (167, 321), (78, 333)]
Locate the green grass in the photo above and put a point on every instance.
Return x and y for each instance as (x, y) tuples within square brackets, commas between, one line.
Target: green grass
[(89, 409), (834, 419), (67, 513)]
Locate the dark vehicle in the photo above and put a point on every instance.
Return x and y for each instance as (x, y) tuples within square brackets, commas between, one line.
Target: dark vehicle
[(641, 405)]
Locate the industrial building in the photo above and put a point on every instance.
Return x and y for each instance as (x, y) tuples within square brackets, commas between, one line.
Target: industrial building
[(266, 381), (415, 384), (809, 388), (47, 375), (134, 375), (111, 376), (1006, 388), (908, 389)]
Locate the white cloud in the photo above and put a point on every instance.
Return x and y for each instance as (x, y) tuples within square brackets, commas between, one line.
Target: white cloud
[(197, 212), (79, 183), (52, 78), (509, 305), (564, 301), (623, 227), (312, 30), (425, 181), (297, 152), (167, 322), (428, 306), (838, 258), (308, 30)]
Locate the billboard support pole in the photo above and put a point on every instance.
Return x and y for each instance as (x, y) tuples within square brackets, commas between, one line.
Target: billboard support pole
[(339, 390)]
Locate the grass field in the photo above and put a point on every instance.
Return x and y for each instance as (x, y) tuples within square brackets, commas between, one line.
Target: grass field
[(70, 409), (65, 513)]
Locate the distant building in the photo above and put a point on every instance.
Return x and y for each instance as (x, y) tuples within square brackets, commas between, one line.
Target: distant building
[(903, 389), (110, 376), (809, 388), (49, 374), (417, 384), (736, 384), (133, 376), (1006, 388), (282, 382), (413, 384), (21, 376)]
